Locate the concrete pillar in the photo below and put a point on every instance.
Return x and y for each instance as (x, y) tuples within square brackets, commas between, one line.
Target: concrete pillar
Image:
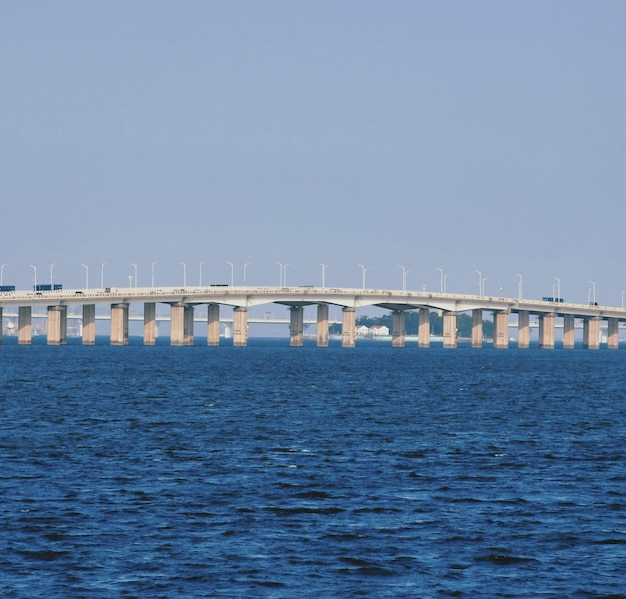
[(119, 324), (24, 325), (501, 329), (213, 325), (613, 339), (57, 325), (181, 324), (188, 333), (449, 329), (568, 331), (591, 333), (523, 329), (348, 327), (423, 330), (149, 323), (322, 325), (296, 326), (240, 326), (89, 324), (477, 328), (546, 331), (398, 335)]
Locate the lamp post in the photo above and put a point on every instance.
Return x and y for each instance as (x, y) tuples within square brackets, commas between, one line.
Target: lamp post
[(285, 275), (130, 281), (1, 272), (445, 282), (232, 273), (558, 288), (441, 279), (184, 275), (102, 275), (245, 270), (480, 283), (35, 280), (404, 273), (135, 267), (482, 290), (153, 265), (86, 275), (323, 274), (519, 286), (593, 297), (200, 278), (51, 277), (623, 292), (363, 271)]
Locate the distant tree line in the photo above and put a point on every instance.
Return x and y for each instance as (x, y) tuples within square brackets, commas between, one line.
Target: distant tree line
[(463, 324)]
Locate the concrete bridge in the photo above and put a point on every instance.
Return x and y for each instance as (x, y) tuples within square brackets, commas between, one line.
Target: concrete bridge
[(183, 301)]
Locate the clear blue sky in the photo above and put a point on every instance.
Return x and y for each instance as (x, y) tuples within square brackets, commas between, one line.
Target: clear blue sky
[(469, 136)]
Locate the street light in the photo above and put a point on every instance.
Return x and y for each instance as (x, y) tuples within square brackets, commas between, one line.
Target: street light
[(86, 275), (184, 275), (323, 274), (285, 275), (232, 273), (51, 267), (558, 288), (363, 271), (102, 275), (519, 286), (135, 267), (1, 272), (200, 279), (482, 290), (245, 270), (404, 273), (593, 286), (442, 278), (153, 265), (480, 283), (35, 281), (623, 292), (445, 282)]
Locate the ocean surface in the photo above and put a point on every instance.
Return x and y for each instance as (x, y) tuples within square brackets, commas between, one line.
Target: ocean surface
[(279, 472)]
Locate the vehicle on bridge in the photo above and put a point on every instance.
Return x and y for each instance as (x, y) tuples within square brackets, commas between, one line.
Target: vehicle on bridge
[(7, 288), (558, 300)]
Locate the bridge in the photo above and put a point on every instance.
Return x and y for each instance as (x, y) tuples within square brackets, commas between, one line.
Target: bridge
[(183, 300)]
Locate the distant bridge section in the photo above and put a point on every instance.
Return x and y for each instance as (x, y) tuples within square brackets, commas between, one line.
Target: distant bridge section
[(183, 300)]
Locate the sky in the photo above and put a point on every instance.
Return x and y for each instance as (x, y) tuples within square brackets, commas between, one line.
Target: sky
[(485, 140)]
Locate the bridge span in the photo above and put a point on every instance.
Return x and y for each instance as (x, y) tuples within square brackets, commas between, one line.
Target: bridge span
[(182, 302)]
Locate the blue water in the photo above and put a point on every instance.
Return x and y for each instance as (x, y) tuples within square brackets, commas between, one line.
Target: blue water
[(271, 471)]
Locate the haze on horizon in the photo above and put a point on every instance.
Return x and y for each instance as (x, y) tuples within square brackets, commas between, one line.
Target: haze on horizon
[(483, 136)]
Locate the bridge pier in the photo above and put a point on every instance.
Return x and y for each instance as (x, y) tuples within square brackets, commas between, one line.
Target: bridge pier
[(348, 327), (181, 324), (149, 323), (523, 329), (119, 324), (613, 337), (423, 329), (213, 325), (591, 333), (240, 326), (449, 329), (322, 325), (24, 325), (477, 328), (568, 331), (501, 329), (57, 325), (546, 331), (89, 324), (296, 326), (398, 335)]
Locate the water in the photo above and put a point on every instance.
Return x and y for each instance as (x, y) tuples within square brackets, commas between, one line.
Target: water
[(271, 471)]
